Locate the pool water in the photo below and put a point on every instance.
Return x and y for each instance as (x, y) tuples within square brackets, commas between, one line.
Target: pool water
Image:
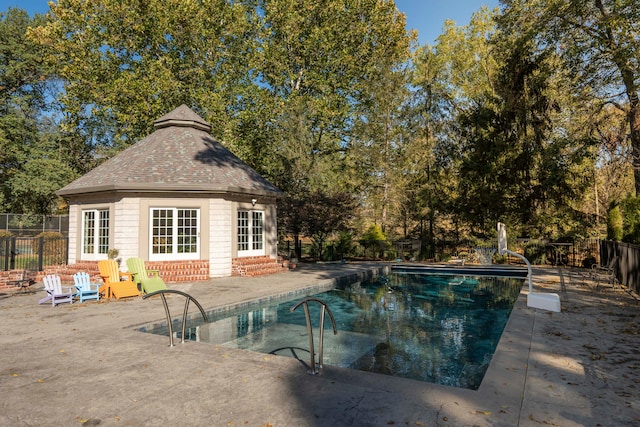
[(442, 329)]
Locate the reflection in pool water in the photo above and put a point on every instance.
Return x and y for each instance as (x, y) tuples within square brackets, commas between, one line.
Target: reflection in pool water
[(437, 328)]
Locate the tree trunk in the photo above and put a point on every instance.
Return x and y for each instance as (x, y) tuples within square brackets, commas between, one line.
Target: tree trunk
[(634, 125), (628, 74)]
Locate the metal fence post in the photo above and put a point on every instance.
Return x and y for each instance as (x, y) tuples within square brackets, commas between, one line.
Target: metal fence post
[(6, 254), (41, 254), (12, 252)]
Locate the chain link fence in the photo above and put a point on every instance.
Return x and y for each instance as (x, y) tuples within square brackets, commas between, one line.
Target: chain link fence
[(32, 225)]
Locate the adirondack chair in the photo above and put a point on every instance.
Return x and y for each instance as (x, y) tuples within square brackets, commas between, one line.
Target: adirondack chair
[(116, 283), (85, 290), (147, 280), (55, 293)]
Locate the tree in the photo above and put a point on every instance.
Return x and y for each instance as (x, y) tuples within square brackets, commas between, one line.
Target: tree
[(520, 161), (319, 60), (123, 65), (376, 147), (31, 166), (599, 41), (326, 214), (317, 215), (451, 79), (614, 223)]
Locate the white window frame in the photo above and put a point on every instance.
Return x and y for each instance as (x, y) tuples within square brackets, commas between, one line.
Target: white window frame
[(95, 234), (171, 229), (250, 233)]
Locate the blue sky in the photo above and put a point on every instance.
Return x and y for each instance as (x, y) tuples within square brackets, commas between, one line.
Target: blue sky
[(426, 16)]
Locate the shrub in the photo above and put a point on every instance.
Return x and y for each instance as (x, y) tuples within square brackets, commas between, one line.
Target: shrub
[(53, 248), (536, 254), (499, 259), (631, 220), (344, 247), (614, 223), (445, 257), (375, 240)]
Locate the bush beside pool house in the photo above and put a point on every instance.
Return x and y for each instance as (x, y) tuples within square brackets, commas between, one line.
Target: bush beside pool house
[(180, 201)]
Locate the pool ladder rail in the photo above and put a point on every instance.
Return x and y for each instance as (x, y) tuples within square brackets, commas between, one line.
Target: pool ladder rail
[(324, 308), (188, 298), (314, 367)]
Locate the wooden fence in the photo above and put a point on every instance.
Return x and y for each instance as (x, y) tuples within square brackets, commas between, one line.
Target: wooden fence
[(628, 268)]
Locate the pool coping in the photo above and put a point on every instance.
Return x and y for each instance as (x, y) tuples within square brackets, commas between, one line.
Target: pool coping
[(83, 363), (327, 285)]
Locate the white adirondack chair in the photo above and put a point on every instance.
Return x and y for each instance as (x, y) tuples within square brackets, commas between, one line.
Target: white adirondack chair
[(55, 293)]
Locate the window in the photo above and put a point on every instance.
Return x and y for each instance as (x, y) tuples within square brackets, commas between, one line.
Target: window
[(95, 234), (250, 233), (175, 233)]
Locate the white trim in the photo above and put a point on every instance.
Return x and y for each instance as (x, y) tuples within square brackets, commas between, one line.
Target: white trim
[(95, 255), (254, 219), (172, 229)]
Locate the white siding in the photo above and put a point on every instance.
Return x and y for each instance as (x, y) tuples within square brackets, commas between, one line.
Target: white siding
[(271, 231), (126, 224), (74, 230), (220, 237)]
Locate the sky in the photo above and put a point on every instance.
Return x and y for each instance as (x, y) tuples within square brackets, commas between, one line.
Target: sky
[(426, 16)]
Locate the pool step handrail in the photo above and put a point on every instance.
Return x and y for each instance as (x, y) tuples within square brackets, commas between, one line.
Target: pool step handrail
[(188, 298), (545, 301), (305, 303)]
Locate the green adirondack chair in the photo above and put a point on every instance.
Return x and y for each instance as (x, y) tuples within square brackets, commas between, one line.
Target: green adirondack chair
[(147, 280)]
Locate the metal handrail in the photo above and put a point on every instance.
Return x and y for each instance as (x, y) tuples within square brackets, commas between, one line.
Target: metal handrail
[(305, 303), (188, 297)]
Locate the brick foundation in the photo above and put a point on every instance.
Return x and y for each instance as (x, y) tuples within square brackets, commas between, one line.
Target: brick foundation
[(180, 271), (170, 271), (256, 266)]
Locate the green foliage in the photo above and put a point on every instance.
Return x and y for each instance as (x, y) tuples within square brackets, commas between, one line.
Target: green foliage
[(30, 167), (344, 246), (444, 257), (125, 65), (317, 215), (535, 253), (631, 220), (5, 234), (53, 246), (614, 223), (375, 242), (500, 119), (499, 259), (598, 42), (373, 234)]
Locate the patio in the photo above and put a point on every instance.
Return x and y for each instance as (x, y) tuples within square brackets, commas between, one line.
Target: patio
[(85, 364)]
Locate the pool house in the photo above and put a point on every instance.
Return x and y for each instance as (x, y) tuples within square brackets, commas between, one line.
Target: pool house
[(179, 200)]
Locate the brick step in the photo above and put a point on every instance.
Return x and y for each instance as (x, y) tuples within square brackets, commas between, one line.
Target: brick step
[(253, 261), (266, 271), (256, 266)]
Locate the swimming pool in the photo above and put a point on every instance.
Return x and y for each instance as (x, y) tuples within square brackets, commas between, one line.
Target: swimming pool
[(440, 328)]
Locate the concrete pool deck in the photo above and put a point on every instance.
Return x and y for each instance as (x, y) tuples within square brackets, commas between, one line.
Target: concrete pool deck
[(85, 364)]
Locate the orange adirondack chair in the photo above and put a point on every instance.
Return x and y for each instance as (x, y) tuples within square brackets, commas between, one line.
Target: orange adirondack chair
[(116, 283)]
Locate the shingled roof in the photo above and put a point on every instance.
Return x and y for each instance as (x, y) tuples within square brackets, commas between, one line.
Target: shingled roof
[(180, 156)]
